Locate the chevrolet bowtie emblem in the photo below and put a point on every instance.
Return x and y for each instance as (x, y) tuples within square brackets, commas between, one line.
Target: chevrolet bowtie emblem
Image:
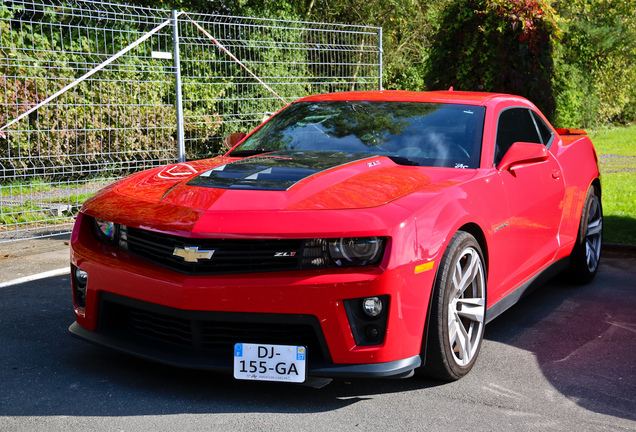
[(192, 253)]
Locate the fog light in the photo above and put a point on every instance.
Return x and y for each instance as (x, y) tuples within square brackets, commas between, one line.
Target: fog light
[(372, 306), (373, 333), (368, 318), (80, 279)]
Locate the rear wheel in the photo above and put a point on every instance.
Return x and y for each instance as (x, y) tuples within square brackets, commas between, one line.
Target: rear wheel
[(458, 310), (586, 254)]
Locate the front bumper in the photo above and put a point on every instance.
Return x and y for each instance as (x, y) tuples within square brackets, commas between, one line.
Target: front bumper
[(393, 369), (204, 340)]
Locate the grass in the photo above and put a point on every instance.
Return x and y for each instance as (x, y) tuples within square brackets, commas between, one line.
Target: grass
[(617, 151), (40, 194), (75, 198), (38, 184), (23, 187), (27, 213)]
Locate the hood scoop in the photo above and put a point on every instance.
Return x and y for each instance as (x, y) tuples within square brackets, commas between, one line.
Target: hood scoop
[(278, 172)]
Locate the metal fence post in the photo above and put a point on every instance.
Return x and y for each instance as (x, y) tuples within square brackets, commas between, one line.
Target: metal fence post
[(178, 95), (380, 52)]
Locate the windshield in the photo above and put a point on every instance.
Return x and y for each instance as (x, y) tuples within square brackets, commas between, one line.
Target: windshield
[(408, 132)]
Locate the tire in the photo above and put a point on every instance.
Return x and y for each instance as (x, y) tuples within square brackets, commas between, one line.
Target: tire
[(586, 255), (458, 311)]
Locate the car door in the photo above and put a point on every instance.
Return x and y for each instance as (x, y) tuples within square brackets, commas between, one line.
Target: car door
[(534, 193)]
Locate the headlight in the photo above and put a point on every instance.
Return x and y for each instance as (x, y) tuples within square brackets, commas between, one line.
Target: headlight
[(106, 231), (342, 252), (355, 251)]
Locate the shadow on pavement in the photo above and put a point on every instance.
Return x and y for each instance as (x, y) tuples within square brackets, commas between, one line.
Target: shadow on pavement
[(583, 337)]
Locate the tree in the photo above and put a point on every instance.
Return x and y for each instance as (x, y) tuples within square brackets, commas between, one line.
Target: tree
[(496, 46), (596, 79)]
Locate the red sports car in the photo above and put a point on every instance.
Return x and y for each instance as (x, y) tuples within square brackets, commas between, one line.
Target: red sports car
[(362, 234)]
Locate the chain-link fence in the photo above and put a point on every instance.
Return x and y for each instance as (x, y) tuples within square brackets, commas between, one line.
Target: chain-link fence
[(92, 91)]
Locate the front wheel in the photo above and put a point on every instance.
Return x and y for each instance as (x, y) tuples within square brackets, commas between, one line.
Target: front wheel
[(458, 310)]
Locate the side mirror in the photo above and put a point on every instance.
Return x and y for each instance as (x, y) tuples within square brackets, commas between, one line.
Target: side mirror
[(233, 139), (523, 153)]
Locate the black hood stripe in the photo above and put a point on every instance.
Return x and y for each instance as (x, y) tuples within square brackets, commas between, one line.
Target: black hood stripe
[(278, 172)]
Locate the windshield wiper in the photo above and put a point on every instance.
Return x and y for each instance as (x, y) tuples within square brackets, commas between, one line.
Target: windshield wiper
[(252, 152), (403, 161)]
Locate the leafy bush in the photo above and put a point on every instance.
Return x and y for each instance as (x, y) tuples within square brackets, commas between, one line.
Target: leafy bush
[(597, 80), (575, 62), (497, 46)]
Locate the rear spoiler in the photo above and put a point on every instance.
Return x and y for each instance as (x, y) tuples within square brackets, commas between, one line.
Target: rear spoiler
[(571, 132)]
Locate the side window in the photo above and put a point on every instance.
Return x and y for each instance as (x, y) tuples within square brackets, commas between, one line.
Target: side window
[(544, 129), (515, 125)]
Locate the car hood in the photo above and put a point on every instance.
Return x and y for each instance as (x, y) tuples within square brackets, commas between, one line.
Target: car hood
[(177, 196), (285, 181)]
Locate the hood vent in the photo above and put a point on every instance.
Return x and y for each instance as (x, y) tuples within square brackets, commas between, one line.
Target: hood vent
[(277, 172)]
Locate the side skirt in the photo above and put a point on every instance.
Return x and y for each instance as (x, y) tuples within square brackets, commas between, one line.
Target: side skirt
[(535, 281)]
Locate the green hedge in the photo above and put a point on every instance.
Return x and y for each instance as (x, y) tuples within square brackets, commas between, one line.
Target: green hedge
[(574, 61), (496, 46)]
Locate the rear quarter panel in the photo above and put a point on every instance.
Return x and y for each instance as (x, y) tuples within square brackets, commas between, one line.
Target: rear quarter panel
[(580, 168)]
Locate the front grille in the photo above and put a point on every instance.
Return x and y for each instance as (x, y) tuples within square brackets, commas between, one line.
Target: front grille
[(229, 256), (201, 332), (159, 327)]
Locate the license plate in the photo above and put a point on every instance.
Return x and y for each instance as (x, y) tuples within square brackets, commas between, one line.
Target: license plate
[(269, 362)]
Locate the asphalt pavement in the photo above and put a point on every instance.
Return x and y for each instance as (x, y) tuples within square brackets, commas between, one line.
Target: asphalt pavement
[(22, 259), (560, 360)]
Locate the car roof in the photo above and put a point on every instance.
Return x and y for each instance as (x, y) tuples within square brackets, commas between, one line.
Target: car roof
[(449, 96)]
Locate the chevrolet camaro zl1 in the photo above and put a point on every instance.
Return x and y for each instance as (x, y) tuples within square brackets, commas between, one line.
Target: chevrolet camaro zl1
[(360, 234)]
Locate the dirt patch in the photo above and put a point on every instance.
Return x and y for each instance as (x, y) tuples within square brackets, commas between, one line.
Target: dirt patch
[(617, 164)]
